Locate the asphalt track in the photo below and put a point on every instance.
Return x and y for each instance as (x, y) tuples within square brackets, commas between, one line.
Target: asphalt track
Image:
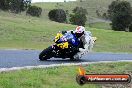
[(21, 58)]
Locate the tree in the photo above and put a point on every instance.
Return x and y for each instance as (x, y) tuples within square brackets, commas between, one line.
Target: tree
[(34, 11), (130, 27), (79, 16), (15, 6), (4, 4), (57, 15), (27, 4), (81, 0), (120, 13)]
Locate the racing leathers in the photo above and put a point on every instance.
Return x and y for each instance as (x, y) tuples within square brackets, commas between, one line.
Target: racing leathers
[(87, 42)]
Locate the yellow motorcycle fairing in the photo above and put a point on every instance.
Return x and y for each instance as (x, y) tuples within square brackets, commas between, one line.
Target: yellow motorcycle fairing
[(63, 45), (58, 36)]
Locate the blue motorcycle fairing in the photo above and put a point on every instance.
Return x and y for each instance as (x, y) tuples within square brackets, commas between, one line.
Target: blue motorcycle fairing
[(71, 38)]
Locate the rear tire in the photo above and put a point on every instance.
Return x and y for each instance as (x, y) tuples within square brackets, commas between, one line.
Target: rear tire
[(75, 57), (72, 58), (46, 54)]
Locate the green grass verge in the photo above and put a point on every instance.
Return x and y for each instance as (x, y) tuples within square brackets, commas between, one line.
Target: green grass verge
[(112, 41), (24, 32), (59, 77), (31, 33), (101, 25)]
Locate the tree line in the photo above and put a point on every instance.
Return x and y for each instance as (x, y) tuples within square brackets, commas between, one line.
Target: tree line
[(17, 6), (119, 12), (77, 17)]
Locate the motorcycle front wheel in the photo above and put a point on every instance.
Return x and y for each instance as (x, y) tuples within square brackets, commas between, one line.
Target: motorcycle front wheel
[(46, 54)]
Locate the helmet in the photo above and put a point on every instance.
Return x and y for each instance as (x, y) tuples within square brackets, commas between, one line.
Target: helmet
[(79, 31)]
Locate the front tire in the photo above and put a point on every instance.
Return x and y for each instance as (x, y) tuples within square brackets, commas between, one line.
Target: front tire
[(46, 54)]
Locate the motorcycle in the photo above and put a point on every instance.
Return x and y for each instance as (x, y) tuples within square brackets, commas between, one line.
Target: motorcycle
[(66, 46)]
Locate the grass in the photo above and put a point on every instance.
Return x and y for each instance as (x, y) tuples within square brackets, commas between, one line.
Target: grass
[(24, 32), (54, 5), (112, 41), (100, 5), (59, 77), (20, 32), (100, 25), (46, 7), (90, 5)]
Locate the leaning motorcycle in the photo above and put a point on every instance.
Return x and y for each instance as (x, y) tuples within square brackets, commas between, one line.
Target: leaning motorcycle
[(66, 46)]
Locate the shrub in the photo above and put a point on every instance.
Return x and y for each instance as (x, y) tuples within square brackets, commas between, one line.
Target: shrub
[(79, 16), (130, 28), (120, 14), (4, 4), (15, 6), (34, 11), (57, 15)]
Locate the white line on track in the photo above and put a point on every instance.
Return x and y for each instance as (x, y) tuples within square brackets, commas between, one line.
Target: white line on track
[(56, 65)]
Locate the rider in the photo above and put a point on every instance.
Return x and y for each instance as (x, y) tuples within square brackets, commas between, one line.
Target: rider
[(86, 38)]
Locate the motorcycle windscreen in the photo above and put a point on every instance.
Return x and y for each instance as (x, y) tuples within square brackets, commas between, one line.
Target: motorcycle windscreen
[(71, 38)]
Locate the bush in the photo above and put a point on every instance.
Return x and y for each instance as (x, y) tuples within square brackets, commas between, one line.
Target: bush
[(34, 11), (79, 16), (130, 28), (78, 19), (4, 4), (120, 14), (57, 15), (15, 6)]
